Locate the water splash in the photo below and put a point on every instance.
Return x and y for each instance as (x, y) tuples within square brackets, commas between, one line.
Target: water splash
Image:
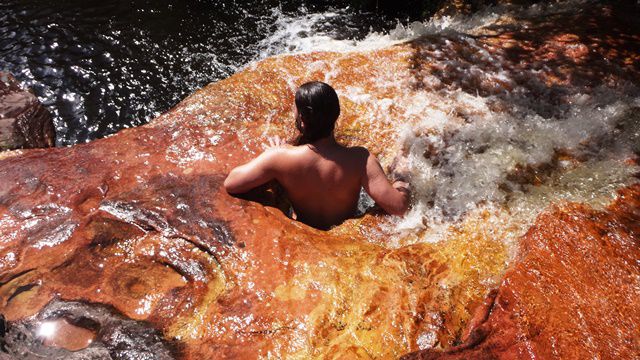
[(308, 31), (483, 133), (101, 67)]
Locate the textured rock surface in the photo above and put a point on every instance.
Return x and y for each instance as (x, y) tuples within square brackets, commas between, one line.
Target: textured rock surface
[(573, 293), (132, 238), (24, 122), (459, 7), (148, 230), (83, 331)]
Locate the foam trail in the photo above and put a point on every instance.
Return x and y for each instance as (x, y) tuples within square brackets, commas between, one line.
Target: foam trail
[(302, 33), (483, 136)]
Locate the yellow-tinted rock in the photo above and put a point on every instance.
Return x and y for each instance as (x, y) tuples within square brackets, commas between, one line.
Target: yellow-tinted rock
[(139, 221)]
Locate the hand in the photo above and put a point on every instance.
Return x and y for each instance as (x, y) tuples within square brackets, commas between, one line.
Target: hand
[(399, 169), (402, 186), (273, 142)]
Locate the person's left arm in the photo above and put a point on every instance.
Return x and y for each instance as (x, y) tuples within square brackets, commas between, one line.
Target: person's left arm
[(256, 172)]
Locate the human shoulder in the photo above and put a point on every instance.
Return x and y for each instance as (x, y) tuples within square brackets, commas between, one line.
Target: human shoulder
[(357, 158), (288, 150), (360, 152), (277, 156)]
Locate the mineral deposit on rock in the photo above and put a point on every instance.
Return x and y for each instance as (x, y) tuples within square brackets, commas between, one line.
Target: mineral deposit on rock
[(130, 244)]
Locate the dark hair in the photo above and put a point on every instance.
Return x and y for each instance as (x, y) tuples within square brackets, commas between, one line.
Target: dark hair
[(318, 108)]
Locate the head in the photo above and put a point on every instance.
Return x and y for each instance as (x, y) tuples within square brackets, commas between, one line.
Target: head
[(317, 109)]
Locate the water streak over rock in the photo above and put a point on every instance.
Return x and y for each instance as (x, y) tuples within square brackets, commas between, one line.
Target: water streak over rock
[(133, 236), (573, 292)]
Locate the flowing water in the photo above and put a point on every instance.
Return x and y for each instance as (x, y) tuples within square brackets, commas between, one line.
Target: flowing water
[(486, 140), (480, 135), (497, 118), (103, 66)]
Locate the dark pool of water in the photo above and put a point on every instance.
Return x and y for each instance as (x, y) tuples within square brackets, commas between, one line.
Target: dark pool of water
[(101, 66)]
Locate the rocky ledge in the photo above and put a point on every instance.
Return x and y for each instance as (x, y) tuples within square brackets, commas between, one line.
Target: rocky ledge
[(24, 122), (572, 293), (127, 247)]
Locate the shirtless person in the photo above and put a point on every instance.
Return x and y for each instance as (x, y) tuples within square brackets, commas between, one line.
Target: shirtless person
[(322, 179)]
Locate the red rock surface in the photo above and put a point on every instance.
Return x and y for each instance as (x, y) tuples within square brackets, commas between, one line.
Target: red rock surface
[(572, 294), (132, 237), (139, 221)]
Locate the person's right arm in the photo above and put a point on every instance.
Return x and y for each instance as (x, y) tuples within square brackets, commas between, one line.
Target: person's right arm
[(256, 172), (394, 199)]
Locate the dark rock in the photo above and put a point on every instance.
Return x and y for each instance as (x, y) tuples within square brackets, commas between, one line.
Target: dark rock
[(116, 337), (140, 224), (24, 122)]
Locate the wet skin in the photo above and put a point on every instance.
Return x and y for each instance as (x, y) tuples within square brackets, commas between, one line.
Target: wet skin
[(322, 180)]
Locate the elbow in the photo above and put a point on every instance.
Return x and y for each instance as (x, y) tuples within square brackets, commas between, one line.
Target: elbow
[(229, 185), (396, 204), (396, 209), (405, 208)]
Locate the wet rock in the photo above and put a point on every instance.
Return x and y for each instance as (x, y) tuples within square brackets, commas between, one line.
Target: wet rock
[(572, 293), (24, 122), (72, 330), (133, 239), (466, 7)]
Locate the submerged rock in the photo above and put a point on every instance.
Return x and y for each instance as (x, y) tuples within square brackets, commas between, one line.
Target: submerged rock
[(24, 122), (72, 330), (132, 245), (572, 293)]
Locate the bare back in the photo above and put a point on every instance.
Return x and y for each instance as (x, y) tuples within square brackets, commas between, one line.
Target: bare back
[(323, 182)]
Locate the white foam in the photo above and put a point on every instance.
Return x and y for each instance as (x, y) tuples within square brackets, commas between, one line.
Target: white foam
[(301, 34), (473, 153)]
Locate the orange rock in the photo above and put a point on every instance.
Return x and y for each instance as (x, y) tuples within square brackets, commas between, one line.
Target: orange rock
[(133, 236), (572, 293)]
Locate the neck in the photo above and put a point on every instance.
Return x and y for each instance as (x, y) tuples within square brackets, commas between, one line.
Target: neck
[(325, 141)]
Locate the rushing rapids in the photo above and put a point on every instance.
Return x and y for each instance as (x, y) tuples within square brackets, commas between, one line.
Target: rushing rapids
[(521, 131)]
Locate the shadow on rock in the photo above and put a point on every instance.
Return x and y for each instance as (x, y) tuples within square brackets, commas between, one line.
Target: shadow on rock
[(61, 329)]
